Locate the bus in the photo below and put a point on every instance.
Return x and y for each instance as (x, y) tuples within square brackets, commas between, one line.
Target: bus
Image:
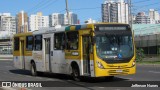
[(91, 50)]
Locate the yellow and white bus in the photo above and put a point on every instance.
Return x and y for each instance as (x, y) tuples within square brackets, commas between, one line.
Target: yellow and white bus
[(92, 50)]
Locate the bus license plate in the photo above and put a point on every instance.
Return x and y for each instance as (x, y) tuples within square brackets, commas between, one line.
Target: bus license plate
[(119, 70)]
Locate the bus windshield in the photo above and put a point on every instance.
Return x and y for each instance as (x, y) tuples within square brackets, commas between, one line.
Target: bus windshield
[(114, 46)]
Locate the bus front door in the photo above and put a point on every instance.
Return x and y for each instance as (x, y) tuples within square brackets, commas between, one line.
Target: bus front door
[(22, 54), (47, 54), (86, 58)]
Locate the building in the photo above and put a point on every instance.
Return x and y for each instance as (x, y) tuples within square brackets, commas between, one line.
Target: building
[(73, 18), (142, 18), (154, 16), (22, 22), (115, 11), (38, 21), (147, 37), (56, 19), (7, 29), (7, 23), (90, 21)]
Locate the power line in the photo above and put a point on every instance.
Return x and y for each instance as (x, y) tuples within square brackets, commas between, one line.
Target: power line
[(144, 6), (86, 8), (141, 1), (45, 5), (38, 5)]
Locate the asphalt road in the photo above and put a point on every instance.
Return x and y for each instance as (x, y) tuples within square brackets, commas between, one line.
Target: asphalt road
[(63, 82)]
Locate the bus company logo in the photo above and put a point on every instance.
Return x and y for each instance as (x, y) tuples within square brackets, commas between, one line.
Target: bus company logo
[(6, 84), (21, 84)]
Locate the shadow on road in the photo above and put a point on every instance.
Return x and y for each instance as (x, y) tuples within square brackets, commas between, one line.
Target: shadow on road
[(68, 77), (19, 71)]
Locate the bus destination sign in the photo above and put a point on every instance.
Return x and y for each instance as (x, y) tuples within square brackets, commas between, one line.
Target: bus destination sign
[(112, 28)]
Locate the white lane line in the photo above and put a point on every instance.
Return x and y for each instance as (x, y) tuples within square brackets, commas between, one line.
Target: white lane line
[(50, 79), (39, 78), (154, 72), (129, 78), (117, 89), (100, 87)]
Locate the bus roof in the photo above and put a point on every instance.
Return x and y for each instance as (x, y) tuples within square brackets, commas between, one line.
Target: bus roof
[(65, 28), (88, 26)]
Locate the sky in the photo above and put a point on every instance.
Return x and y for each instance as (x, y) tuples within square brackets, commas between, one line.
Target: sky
[(85, 9)]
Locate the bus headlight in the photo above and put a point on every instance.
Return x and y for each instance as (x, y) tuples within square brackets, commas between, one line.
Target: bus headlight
[(99, 64), (133, 63)]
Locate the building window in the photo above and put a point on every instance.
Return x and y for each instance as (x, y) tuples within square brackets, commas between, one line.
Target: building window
[(16, 43), (29, 43), (38, 42), (72, 40), (59, 41)]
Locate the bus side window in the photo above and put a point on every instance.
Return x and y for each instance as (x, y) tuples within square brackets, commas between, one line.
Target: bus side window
[(29, 43), (59, 41), (38, 42), (16, 43), (72, 40)]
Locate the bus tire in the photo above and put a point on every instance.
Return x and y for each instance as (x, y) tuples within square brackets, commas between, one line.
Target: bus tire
[(75, 73), (33, 69)]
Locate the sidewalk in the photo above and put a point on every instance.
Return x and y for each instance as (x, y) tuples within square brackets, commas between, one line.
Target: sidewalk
[(6, 57)]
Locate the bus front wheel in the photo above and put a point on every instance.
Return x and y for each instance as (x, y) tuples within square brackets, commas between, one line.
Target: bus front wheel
[(33, 69)]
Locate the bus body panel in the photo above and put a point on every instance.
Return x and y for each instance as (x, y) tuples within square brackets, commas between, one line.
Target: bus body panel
[(49, 59)]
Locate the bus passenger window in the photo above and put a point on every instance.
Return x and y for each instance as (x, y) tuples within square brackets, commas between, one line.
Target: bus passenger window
[(38, 42), (72, 40), (59, 41), (16, 44), (29, 43)]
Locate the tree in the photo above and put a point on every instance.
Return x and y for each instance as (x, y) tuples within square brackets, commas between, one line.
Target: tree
[(139, 54)]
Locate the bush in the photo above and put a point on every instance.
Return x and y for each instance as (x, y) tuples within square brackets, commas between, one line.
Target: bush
[(139, 54)]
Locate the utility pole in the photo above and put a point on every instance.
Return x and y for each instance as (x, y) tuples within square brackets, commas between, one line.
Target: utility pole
[(67, 11), (130, 12)]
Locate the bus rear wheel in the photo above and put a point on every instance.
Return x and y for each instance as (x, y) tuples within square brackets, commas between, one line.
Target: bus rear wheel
[(75, 74), (33, 69)]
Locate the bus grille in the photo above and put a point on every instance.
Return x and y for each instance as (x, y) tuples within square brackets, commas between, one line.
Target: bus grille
[(115, 72)]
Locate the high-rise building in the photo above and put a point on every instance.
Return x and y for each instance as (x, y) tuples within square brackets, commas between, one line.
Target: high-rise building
[(56, 19), (38, 21), (115, 11), (90, 21), (22, 22), (73, 18), (154, 15), (7, 23), (142, 18)]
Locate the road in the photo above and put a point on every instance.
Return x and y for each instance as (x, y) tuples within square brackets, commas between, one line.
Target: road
[(144, 73)]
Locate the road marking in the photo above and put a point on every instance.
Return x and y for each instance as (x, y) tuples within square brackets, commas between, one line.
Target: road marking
[(100, 87), (117, 89), (38, 77), (153, 72), (50, 79)]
